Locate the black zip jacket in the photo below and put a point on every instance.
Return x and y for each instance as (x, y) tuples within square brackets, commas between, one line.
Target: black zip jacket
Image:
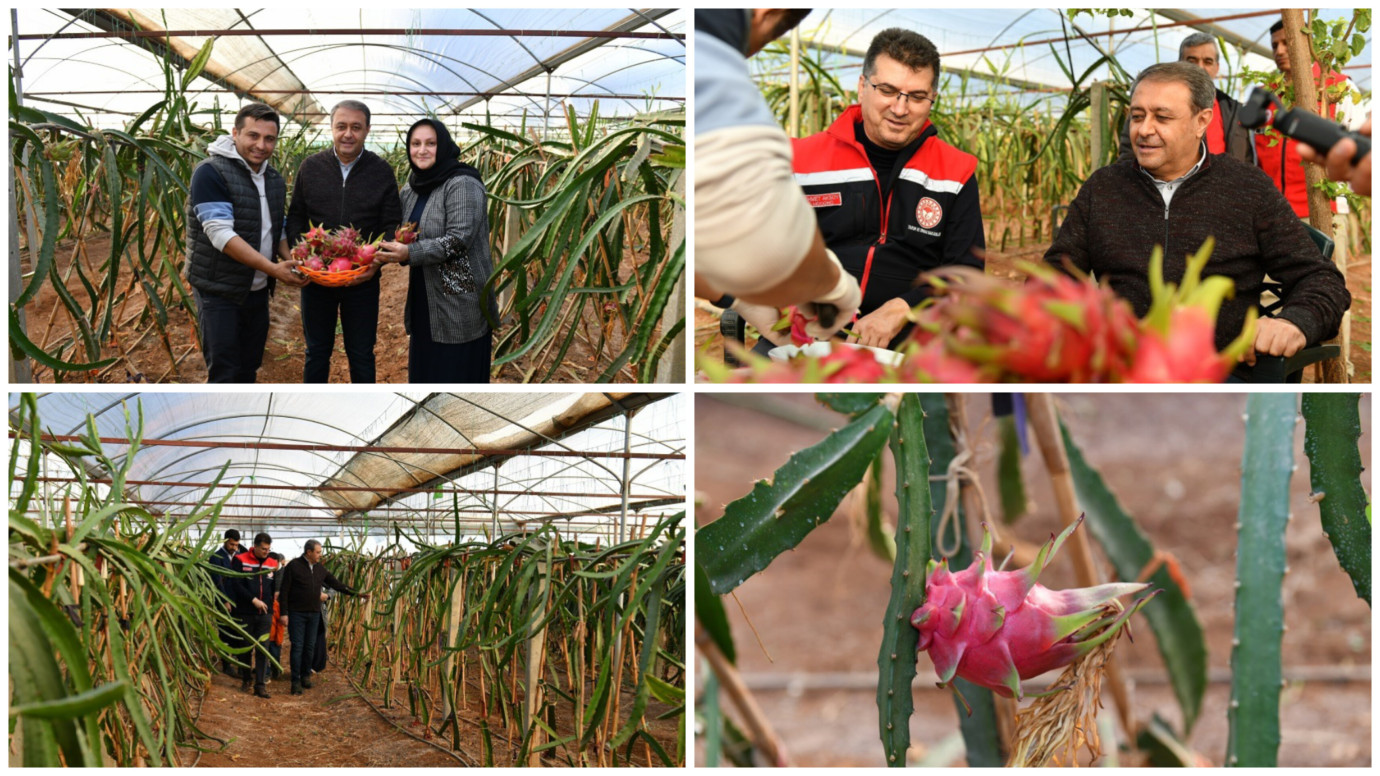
[(302, 585), (367, 200)]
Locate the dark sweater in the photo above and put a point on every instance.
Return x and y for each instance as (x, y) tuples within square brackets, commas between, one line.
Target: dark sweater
[(301, 586), (1119, 217), (367, 200)]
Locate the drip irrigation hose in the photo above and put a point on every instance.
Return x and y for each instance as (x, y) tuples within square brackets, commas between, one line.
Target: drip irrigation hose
[(403, 730)]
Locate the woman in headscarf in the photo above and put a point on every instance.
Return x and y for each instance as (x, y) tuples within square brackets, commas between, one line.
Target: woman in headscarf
[(450, 336)]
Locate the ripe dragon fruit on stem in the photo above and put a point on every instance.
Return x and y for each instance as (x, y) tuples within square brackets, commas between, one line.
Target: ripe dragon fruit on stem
[(995, 628)]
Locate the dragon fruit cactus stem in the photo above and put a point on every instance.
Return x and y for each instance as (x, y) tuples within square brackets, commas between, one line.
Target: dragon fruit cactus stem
[(995, 628)]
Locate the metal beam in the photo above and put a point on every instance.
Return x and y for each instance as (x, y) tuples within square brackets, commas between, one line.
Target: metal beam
[(625, 24), (348, 488), (1208, 26), (606, 34), (218, 444)]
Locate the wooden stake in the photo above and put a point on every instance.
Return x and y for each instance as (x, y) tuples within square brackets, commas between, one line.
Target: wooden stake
[(1044, 421)]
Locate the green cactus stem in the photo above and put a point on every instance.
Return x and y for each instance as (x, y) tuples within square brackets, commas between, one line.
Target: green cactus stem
[(1332, 430), (896, 660), (778, 514), (1257, 642), (975, 706)]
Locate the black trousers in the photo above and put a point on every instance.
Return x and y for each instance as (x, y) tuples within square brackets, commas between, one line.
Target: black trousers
[(357, 310), (258, 626), (232, 335)]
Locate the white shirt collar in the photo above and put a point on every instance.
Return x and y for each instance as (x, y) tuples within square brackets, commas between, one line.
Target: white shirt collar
[(1167, 188)]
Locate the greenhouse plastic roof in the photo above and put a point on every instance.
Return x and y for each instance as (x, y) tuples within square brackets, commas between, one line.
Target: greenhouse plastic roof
[(115, 79), (1016, 43), (581, 494)]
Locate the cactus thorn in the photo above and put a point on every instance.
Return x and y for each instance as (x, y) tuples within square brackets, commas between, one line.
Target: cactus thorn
[(906, 574), (888, 726), (1235, 704), (893, 655)]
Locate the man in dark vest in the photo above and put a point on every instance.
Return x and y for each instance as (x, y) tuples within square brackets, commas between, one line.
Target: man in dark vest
[(345, 185), (223, 558), (234, 229)]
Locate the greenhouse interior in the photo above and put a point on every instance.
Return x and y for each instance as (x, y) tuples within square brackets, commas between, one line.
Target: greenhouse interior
[(1039, 96), (503, 579), (574, 118)]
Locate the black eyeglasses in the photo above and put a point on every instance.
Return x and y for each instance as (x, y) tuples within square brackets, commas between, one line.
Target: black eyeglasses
[(890, 92)]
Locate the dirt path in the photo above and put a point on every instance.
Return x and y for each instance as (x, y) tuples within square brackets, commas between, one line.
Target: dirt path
[(321, 728), (1173, 461)]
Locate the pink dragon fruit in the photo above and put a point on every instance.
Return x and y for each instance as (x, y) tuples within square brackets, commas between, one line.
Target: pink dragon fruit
[(316, 237), (364, 254), (995, 628), (302, 251), (340, 265), (315, 263), (406, 234)]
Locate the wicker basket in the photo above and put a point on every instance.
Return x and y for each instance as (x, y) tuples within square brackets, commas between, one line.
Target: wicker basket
[(333, 279)]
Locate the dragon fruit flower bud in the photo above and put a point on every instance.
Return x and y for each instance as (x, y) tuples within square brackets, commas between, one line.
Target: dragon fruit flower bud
[(995, 628)]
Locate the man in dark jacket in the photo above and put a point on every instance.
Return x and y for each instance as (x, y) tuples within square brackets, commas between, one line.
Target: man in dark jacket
[(254, 607), (222, 558), (892, 199), (234, 228), (344, 186), (1225, 135), (299, 598), (1176, 195)]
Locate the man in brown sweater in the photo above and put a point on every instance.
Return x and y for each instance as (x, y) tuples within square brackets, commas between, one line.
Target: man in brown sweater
[(1174, 194)]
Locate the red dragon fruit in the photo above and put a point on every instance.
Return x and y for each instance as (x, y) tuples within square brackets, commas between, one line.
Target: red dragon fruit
[(340, 265), (995, 628), (316, 237), (302, 251), (315, 263), (406, 234), (364, 254), (1187, 354)]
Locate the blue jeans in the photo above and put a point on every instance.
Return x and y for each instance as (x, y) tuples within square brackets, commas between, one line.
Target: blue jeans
[(233, 335), (302, 628), (357, 309)]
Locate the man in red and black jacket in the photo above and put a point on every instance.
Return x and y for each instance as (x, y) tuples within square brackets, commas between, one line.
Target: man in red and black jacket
[(1279, 155), (253, 599), (892, 199)]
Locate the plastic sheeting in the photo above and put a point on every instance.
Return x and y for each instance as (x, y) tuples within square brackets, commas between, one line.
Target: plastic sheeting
[(1019, 52), (627, 76), (532, 489)]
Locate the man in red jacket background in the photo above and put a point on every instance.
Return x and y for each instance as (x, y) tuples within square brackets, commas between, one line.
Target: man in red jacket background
[(892, 199), (1279, 155)]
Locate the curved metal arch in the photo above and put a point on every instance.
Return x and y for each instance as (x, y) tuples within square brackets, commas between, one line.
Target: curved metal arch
[(164, 489), (283, 467), (430, 56), (514, 38), (657, 24)]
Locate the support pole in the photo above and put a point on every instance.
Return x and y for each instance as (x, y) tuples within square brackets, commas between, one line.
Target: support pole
[(671, 368), (1306, 97), (536, 657), (627, 478), (795, 83), (1044, 421), (494, 537), (1099, 122), (546, 126)]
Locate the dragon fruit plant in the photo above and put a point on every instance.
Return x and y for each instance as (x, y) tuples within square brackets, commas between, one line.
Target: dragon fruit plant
[(995, 628)]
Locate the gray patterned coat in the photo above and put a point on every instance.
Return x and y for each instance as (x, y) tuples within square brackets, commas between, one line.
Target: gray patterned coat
[(452, 248)]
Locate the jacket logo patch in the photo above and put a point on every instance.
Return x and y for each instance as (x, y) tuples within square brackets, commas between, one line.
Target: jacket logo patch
[(832, 199), (928, 213)]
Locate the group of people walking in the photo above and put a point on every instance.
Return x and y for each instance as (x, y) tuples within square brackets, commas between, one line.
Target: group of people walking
[(273, 599), (241, 229)]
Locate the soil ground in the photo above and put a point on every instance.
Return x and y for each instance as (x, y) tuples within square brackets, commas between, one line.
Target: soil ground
[(1173, 461), (330, 725), (147, 358), (709, 343)]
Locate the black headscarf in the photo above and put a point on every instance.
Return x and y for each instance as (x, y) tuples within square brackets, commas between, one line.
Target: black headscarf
[(447, 164)]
